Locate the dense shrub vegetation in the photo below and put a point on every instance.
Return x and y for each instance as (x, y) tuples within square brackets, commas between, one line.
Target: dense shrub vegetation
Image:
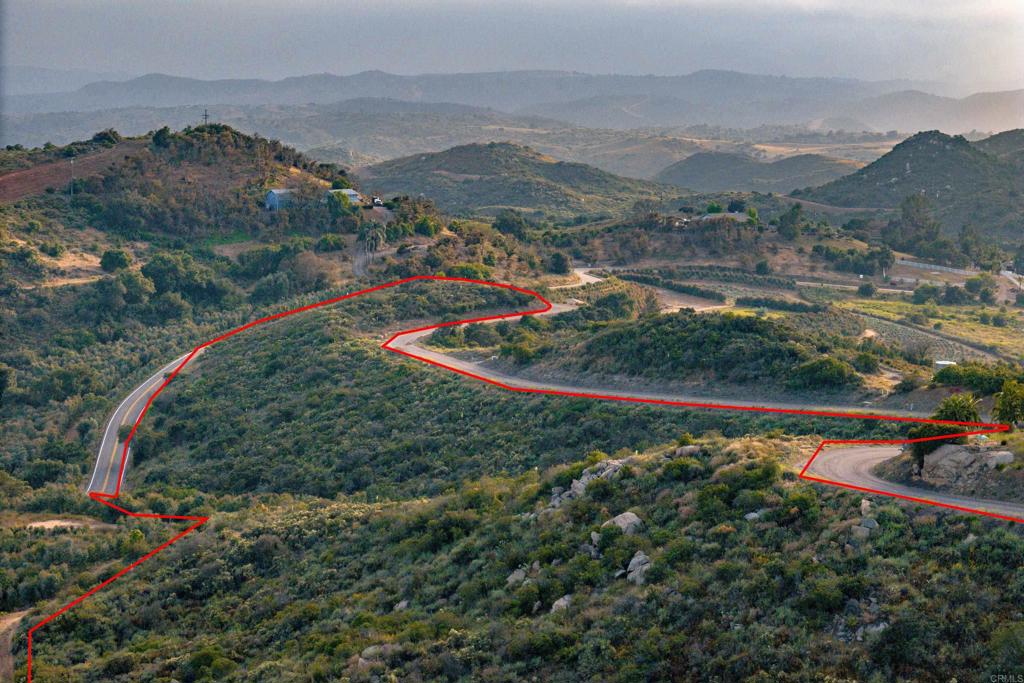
[(734, 348), (306, 589)]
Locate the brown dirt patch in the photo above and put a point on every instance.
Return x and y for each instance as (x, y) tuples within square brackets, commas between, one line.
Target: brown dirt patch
[(30, 181), (51, 524)]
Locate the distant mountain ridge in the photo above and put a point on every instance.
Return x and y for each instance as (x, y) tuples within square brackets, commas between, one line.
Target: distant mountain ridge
[(721, 171), (980, 183), (366, 130), (489, 177), (33, 80), (626, 101)]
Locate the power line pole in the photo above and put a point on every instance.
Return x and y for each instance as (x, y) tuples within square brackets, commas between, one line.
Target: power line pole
[(206, 116)]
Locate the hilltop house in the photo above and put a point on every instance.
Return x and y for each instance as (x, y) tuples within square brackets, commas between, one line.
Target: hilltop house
[(353, 196), (277, 199)]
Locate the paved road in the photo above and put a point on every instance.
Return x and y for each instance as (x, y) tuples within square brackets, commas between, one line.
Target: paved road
[(849, 465), (854, 465), (108, 461), (409, 343)]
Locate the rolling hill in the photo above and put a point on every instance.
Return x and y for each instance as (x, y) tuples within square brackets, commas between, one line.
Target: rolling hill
[(488, 177), (721, 171), (979, 183)]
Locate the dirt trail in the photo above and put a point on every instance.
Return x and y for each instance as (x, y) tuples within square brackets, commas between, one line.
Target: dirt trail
[(19, 184), (8, 624), (49, 524)]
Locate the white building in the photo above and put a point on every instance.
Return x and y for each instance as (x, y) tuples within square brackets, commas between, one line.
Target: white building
[(353, 196)]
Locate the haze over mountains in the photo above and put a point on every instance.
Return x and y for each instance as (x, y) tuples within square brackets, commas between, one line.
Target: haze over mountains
[(363, 131), (722, 171), (726, 98)]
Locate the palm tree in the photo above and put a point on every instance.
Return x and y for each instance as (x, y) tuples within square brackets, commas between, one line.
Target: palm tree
[(372, 237)]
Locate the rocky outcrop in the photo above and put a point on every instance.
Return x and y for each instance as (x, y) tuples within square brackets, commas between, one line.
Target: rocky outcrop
[(863, 530), (515, 578), (606, 469), (638, 567), (381, 651), (561, 604), (958, 465), (628, 522)]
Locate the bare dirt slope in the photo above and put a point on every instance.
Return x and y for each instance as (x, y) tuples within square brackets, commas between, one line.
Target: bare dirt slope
[(30, 181)]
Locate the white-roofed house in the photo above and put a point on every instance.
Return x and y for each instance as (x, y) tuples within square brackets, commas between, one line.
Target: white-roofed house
[(353, 196)]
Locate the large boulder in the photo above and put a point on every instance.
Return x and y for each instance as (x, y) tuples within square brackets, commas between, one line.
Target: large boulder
[(628, 522), (638, 567), (518, 576), (561, 604)]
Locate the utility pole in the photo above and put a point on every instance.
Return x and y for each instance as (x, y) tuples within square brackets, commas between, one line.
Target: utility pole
[(71, 187), (206, 116)]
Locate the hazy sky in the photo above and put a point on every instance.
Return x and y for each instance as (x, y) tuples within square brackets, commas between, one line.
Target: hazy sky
[(977, 42)]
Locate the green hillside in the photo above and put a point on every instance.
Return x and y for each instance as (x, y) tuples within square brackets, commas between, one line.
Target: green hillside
[(967, 183), (725, 352), (488, 177), (720, 171), (733, 571)]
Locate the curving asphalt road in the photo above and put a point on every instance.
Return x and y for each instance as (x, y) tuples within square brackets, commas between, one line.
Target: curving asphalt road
[(849, 465), (855, 464), (408, 343), (105, 473)]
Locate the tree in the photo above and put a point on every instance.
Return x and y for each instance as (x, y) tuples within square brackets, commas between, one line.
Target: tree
[(791, 222), (511, 222), (737, 206), (763, 268), (955, 408), (559, 263), (6, 380), (1009, 407), (977, 283), (867, 290), (713, 207), (916, 230), (137, 287), (372, 236), (115, 259), (954, 296), (170, 306), (427, 226), (824, 372), (162, 137)]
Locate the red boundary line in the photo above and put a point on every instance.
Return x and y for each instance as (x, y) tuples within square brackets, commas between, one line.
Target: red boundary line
[(106, 498)]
